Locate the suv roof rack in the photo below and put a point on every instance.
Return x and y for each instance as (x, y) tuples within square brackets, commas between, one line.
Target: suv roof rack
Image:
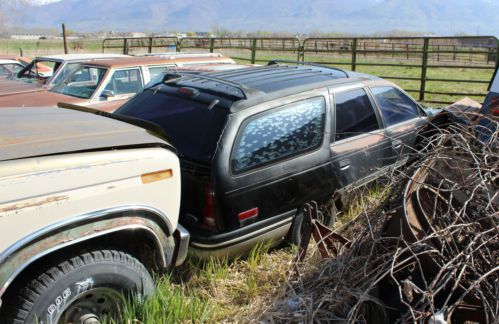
[(175, 77), (277, 61)]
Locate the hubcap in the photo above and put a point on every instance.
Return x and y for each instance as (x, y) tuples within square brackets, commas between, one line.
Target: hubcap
[(92, 307)]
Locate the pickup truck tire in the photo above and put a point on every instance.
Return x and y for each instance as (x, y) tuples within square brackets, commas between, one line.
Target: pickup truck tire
[(82, 289)]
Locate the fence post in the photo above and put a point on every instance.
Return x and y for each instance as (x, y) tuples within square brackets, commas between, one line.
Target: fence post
[(150, 45), (212, 44), (354, 54), (125, 46), (64, 39), (424, 66), (253, 51), (21, 51), (178, 42)]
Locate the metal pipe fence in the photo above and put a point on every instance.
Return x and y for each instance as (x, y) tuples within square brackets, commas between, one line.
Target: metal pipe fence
[(436, 69)]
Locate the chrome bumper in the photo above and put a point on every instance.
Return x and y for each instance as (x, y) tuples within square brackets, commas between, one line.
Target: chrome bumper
[(182, 238)]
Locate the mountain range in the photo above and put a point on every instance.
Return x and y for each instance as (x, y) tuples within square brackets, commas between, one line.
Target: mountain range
[(445, 17)]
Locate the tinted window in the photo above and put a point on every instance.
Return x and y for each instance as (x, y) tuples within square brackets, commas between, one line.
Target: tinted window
[(281, 133), (395, 105), (125, 81), (193, 128), (354, 114)]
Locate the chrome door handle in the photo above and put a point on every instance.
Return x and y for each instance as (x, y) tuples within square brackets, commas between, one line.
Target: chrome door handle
[(344, 165)]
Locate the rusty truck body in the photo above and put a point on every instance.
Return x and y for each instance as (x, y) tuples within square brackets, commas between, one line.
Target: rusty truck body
[(77, 186)]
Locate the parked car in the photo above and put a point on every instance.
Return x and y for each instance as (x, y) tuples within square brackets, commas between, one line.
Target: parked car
[(12, 87), (9, 68), (88, 210), (104, 84), (256, 144), (58, 67), (23, 60)]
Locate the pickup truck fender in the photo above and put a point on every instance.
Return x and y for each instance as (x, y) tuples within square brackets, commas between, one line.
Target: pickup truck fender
[(88, 226)]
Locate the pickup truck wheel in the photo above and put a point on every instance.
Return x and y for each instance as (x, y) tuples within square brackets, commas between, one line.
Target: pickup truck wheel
[(87, 288)]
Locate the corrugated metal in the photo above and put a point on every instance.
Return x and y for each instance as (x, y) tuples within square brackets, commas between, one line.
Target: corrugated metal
[(28, 132)]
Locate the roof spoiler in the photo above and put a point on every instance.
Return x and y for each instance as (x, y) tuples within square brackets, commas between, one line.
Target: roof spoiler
[(152, 128)]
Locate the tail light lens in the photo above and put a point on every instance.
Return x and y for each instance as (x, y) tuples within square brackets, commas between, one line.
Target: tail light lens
[(209, 212)]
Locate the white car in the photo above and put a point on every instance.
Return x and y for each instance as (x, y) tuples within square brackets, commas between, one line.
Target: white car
[(9, 69), (61, 65)]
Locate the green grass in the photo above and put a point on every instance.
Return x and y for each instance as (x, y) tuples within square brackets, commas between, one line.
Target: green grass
[(33, 48), (215, 290), (235, 291)]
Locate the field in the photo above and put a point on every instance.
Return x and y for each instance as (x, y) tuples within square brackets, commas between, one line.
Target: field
[(470, 72)]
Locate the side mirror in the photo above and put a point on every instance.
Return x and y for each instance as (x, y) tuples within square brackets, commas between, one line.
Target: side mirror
[(106, 94)]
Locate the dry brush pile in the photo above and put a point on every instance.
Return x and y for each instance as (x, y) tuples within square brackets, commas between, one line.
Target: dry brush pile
[(427, 252)]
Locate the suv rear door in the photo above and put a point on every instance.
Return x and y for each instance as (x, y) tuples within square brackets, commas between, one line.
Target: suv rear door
[(358, 143)]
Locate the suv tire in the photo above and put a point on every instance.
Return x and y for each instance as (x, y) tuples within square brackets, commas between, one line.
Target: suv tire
[(81, 289), (326, 217)]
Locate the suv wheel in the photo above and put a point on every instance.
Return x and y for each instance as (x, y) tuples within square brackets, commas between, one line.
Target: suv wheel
[(87, 288), (326, 216)]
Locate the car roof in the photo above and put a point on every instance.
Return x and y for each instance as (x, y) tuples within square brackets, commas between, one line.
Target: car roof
[(49, 131), (188, 54), (78, 57), (153, 60), (259, 84), (9, 62)]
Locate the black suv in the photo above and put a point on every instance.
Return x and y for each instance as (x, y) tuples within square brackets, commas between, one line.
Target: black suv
[(256, 144)]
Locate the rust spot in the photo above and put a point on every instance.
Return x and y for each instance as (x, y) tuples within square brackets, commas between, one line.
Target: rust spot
[(33, 203)]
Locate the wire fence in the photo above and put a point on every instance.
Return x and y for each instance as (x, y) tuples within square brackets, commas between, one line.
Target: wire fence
[(436, 70)]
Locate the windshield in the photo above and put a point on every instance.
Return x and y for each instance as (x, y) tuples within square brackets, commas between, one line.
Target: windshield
[(193, 128), (63, 73), (81, 82), (9, 70)]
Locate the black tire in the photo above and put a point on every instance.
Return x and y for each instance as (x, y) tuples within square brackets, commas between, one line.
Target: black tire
[(95, 280), (293, 237), (294, 234)]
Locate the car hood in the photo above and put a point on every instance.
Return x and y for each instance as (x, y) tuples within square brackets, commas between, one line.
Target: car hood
[(38, 99), (10, 87), (28, 132)]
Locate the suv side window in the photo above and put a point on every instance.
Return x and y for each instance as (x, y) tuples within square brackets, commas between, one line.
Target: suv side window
[(354, 114), (395, 105), (125, 81), (279, 133)]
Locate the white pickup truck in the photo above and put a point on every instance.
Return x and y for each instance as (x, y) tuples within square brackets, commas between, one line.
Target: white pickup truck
[(88, 210)]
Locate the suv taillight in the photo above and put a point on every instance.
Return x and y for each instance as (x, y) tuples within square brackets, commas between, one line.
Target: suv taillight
[(208, 220)]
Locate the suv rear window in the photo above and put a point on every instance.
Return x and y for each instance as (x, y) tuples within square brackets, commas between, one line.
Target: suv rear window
[(279, 133), (193, 128), (354, 114), (395, 105)]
